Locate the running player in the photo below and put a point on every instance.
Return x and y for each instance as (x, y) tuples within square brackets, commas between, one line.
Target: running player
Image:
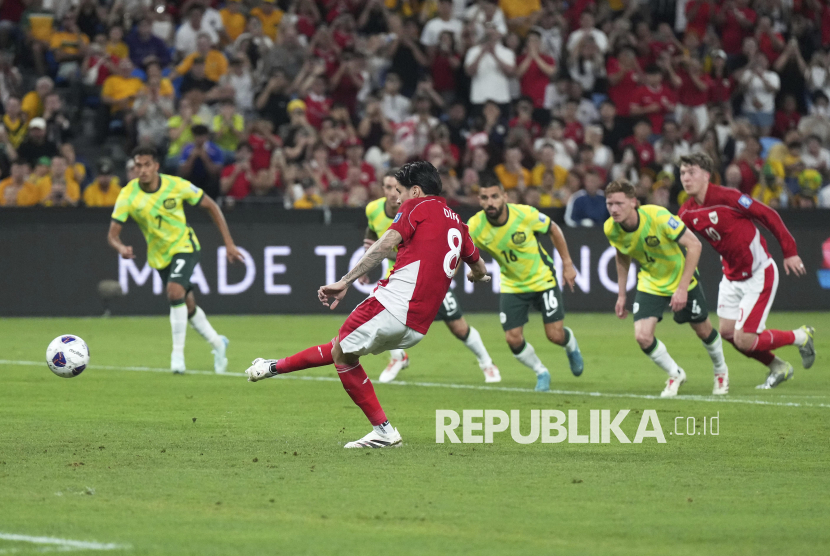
[(432, 241), (726, 218), (508, 233), (156, 202), (380, 213), (652, 236)]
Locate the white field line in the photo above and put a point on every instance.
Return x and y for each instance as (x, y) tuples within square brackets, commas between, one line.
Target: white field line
[(709, 399), (60, 545)]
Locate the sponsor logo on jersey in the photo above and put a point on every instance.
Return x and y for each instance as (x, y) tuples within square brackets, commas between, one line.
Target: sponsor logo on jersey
[(170, 203), (519, 238), (397, 217), (673, 223), (542, 218), (652, 241), (745, 201), (194, 188), (713, 216)]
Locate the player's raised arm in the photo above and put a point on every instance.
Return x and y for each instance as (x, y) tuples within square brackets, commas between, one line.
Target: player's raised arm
[(114, 240), (693, 248), (558, 239), (380, 250), (623, 264), (771, 220), (218, 218)]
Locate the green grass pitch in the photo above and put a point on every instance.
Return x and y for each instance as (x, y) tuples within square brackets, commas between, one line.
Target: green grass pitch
[(213, 465)]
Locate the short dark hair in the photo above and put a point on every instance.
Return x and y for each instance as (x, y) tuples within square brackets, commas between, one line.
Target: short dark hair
[(701, 160), (489, 179), (200, 130), (244, 145), (420, 173), (146, 150)]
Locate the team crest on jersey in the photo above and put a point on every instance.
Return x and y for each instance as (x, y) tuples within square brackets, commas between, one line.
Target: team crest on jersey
[(397, 217), (673, 223), (652, 241), (518, 238), (713, 216), (170, 204), (745, 201)]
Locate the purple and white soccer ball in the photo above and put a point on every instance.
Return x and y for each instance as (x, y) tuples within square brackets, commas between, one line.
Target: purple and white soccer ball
[(67, 356)]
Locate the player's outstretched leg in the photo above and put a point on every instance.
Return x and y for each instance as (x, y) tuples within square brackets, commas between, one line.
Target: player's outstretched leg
[(526, 355), (360, 389), (657, 352), (200, 323), (315, 356), (398, 361), (801, 337), (472, 339), (779, 370), (714, 347)]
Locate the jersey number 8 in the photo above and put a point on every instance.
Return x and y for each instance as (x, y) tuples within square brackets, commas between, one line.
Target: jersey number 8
[(454, 254)]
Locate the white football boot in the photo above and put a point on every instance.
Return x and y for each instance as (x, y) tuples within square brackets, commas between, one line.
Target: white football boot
[(808, 348), (260, 369), (491, 373), (220, 361), (377, 440), (393, 368), (673, 384), (780, 371), (721, 384), (177, 363)]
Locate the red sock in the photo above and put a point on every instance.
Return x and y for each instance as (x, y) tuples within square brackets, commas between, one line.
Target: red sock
[(360, 389), (773, 339), (763, 357), (316, 356)]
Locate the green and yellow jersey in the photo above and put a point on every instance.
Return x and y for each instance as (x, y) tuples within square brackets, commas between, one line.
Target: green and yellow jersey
[(525, 265), (379, 222), (654, 245), (160, 216)]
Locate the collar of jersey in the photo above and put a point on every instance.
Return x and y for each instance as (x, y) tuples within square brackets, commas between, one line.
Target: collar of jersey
[(637, 227)]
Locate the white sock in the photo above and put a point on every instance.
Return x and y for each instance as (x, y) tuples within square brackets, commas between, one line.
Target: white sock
[(201, 325), (178, 323), (800, 336), (571, 345), (384, 428), (528, 358), (474, 344), (397, 354), (776, 363), (660, 355), (715, 350)]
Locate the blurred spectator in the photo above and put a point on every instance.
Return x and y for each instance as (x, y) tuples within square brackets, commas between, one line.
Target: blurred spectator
[(444, 65), (104, 190), (144, 45), (32, 103), (732, 177), (14, 121), (586, 207), (179, 130), (117, 97), (817, 157), (201, 161), (490, 64), (288, 54), (216, 65), (374, 124), (310, 197), (511, 173), (535, 70), (115, 43), (443, 22), (188, 33), (228, 127), (236, 178), (263, 143), (36, 145), (270, 16), (75, 170), (38, 26), (641, 144), (239, 85), (395, 106), (770, 189), (58, 127), (152, 110), (97, 65), (354, 161), (760, 86), (11, 80), (484, 13), (787, 117), (58, 189), (233, 19), (17, 190), (272, 101), (408, 58)]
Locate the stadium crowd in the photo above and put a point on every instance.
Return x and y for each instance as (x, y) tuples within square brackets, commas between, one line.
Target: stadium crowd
[(309, 103)]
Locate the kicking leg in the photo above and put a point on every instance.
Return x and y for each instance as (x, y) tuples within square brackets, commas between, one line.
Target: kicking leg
[(563, 336), (714, 346), (526, 355), (657, 352), (178, 324), (472, 339)]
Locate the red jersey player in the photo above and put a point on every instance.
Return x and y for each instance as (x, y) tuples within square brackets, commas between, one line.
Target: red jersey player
[(432, 242), (726, 219)]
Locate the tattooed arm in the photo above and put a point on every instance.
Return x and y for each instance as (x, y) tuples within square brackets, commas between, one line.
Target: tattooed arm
[(379, 250)]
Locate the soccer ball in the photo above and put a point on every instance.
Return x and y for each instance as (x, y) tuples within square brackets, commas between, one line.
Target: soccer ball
[(67, 356)]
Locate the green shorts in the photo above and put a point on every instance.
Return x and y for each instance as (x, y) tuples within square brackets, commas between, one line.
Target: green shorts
[(450, 308), (180, 269), (513, 307), (650, 305)]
